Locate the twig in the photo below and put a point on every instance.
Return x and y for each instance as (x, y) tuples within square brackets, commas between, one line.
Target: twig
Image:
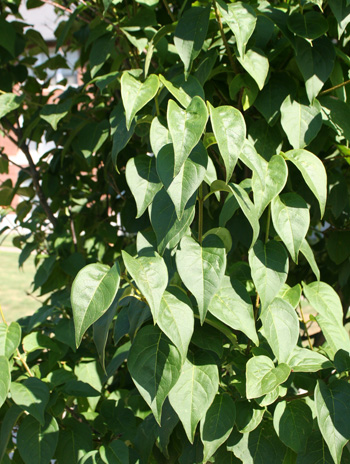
[(172, 17), (306, 330), (228, 51), (338, 86), (295, 397)]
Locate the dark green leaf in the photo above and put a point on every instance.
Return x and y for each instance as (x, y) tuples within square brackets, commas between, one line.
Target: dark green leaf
[(32, 396)]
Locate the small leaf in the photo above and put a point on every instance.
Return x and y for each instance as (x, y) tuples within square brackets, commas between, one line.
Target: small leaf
[(256, 64), (248, 416), (333, 408), (217, 424), (190, 34), (281, 328), (195, 391), (37, 443), (186, 128), (230, 131), (10, 338), (154, 364), (313, 172), (310, 258), (93, 291), (291, 219), (5, 379), (305, 360), (262, 377), (151, 276), (159, 135), (300, 122), (136, 95), (201, 268), (54, 113), (269, 268), (32, 396), (141, 176), (9, 102), (293, 423)]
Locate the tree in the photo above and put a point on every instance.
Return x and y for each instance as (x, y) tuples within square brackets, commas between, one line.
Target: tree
[(190, 222)]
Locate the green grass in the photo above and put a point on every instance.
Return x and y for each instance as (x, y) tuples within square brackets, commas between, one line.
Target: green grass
[(15, 283)]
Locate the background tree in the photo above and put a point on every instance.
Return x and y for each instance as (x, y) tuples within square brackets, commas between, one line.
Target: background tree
[(194, 179)]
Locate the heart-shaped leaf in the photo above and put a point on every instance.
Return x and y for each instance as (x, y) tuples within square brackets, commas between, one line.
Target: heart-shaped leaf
[(262, 377)]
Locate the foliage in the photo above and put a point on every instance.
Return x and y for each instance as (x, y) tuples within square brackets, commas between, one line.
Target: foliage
[(195, 188)]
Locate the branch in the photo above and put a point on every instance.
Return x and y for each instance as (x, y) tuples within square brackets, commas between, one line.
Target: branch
[(228, 51)]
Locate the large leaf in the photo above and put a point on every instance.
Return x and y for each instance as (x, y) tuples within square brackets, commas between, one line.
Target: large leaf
[(190, 34), (310, 25), (36, 442), (241, 19), (136, 95), (141, 176), (115, 453), (10, 338), (281, 328), (333, 408), (185, 184), (315, 62), (75, 441), (229, 130), (195, 391), (168, 228), (313, 172), (269, 267), (154, 364), (330, 314), (121, 135), (93, 291), (32, 396), (293, 423), (201, 268), (300, 122), (186, 128), (291, 219), (232, 305), (217, 424), (269, 183), (151, 276), (5, 379), (262, 377), (305, 360), (316, 451), (176, 319), (256, 64)]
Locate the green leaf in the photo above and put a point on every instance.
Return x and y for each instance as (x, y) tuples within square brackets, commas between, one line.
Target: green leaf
[(333, 408), (269, 267), (316, 451), (269, 183), (201, 268), (5, 379), (141, 176), (241, 19), (115, 453), (190, 34), (248, 416), (93, 291), (32, 396), (223, 234), (75, 441), (54, 113), (154, 364), (183, 90), (37, 443), (313, 172), (341, 11), (159, 136), (256, 64), (309, 25), (151, 276), (300, 122), (168, 228), (195, 391), (217, 424), (262, 377), (305, 360), (230, 131), (290, 294), (9, 102), (291, 219), (232, 305), (185, 184), (9, 421), (10, 338), (334, 115), (253, 160), (309, 256), (136, 95), (330, 314), (101, 330), (176, 319), (293, 423), (337, 245), (315, 62), (281, 328), (121, 135), (186, 128), (8, 36)]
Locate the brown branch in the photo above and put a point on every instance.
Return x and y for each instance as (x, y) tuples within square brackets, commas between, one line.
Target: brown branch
[(172, 17), (324, 92), (295, 397)]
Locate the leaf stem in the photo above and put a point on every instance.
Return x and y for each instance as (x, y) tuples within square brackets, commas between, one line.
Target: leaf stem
[(200, 213), (3, 316), (228, 51), (306, 330), (338, 86)]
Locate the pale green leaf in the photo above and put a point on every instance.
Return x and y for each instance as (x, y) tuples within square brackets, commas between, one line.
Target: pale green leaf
[(151, 276), (306, 250), (5, 379), (9, 102), (10, 338), (159, 135), (154, 364), (262, 377), (290, 294), (93, 291), (256, 64), (195, 391), (32, 396), (291, 220), (54, 113), (306, 360), (253, 160)]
